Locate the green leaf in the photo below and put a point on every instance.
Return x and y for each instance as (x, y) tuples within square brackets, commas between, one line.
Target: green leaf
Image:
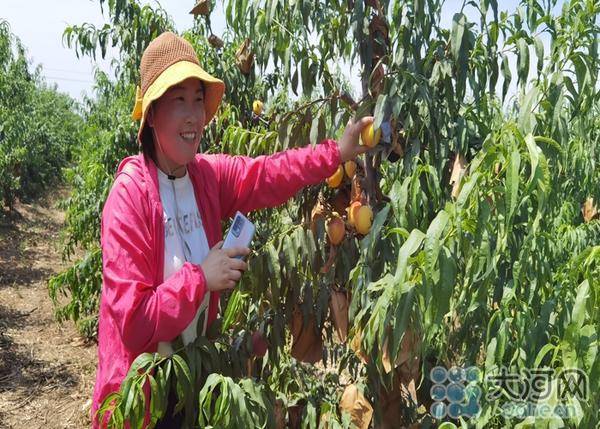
[(129, 392), (507, 75), (539, 52), (542, 354), (409, 247), (274, 270), (549, 142), (466, 190), (457, 33), (579, 308), (432, 240), (534, 156), (399, 197), (490, 355), (184, 381), (442, 292), (512, 184), (402, 316), (581, 71), (306, 78), (494, 30), (526, 114), (321, 129), (295, 82), (380, 109), (374, 234), (233, 309), (155, 399), (314, 131), (522, 61), (107, 406), (142, 362)]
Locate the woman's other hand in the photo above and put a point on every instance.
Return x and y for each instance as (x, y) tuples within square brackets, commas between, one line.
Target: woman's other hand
[(349, 144), (221, 267)]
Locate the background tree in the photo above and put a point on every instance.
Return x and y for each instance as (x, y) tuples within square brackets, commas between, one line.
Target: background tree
[(39, 127)]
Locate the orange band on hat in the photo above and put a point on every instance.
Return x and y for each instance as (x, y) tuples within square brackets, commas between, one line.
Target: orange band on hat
[(136, 115)]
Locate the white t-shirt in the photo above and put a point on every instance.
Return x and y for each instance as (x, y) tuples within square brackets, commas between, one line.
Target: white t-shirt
[(183, 226)]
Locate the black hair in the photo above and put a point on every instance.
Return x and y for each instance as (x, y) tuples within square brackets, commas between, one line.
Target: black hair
[(147, 140)]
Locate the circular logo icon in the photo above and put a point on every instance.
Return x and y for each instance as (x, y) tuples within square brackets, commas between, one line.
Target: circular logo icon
[(438, 392), (455, 392), (438, 410), (471, 409), (454, 410), (447, 425), (473, 374), (438, 374), (456, 374), (472, 391)]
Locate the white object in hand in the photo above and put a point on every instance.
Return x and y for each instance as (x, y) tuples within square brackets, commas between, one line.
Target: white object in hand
[(240, 233)]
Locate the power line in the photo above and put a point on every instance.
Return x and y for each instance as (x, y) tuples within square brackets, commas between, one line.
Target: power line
[(68, 79), (66, 71)]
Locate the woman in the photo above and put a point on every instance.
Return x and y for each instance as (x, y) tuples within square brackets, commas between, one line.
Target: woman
[(163, 265)]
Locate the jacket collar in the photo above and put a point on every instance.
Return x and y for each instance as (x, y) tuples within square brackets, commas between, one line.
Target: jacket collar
[(144, 173)]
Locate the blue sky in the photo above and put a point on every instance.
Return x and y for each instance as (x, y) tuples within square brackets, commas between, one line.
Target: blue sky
[(41, 32)]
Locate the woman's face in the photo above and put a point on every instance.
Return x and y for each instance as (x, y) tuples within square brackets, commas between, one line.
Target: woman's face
[(178, 118)]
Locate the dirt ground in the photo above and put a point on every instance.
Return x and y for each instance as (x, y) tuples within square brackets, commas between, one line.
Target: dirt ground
[(46, 370)]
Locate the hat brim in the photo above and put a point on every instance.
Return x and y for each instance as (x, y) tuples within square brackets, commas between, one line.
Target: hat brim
[(213, 88)]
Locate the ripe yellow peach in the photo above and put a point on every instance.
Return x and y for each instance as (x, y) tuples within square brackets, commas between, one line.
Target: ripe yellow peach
[(335, 229), (369, 136), (336, 179), (363, 220), (257, 107), (353, 212), (350, 168)]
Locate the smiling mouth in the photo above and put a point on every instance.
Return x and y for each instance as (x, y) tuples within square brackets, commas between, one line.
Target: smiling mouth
[(189, 137)]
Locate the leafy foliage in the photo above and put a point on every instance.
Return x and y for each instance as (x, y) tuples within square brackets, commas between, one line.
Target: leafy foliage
[(38, 125)]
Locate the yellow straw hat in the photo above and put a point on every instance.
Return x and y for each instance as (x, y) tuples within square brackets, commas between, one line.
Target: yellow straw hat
[(167, 61)]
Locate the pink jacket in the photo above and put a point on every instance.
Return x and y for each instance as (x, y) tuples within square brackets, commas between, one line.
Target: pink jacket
[(138, 309)]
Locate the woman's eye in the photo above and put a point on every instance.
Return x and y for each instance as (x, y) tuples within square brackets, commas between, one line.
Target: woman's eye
[(199, 99)]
